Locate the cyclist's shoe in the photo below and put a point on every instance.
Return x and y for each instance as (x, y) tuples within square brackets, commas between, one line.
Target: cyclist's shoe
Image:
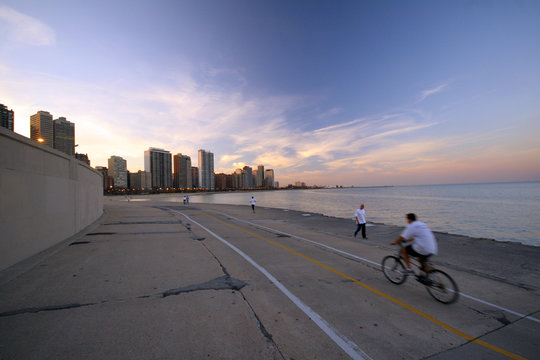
[(424, 280)]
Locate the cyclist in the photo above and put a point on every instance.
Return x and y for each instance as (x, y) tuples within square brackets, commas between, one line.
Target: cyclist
[(423, 241)]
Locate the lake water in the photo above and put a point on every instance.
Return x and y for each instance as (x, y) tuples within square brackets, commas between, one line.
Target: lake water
[(500, 211)]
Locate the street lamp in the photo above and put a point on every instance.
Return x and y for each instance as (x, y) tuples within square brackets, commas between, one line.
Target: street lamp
[(40, 140)]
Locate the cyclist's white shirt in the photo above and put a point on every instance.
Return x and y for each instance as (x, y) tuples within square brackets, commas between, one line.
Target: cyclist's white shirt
[(424, 241), (252, 201), (361, 215)]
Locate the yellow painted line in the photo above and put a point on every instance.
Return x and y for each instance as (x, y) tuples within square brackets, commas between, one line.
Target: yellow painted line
[(378, 292)]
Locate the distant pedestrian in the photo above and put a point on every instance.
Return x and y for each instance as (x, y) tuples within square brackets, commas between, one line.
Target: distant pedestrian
[(252, 202), (360, 216), (184, 200), (187, 199)]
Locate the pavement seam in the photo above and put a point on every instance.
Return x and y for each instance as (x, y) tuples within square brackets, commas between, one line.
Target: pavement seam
[(384, 295), (265, 333)]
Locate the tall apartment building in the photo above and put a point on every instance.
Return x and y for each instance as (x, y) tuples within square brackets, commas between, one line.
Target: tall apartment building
[(259, 177), (118, 171), (7, 117), (269, 178), (182, 171), (158, 162), (140, 180), (108, 181), (41, 128), (64, 135), (195, 177), (206, 170), (238, 181), (247, 177)]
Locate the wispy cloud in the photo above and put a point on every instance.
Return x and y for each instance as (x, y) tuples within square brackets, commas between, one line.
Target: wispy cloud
[(426, 93), (183, 115), (25, 29)]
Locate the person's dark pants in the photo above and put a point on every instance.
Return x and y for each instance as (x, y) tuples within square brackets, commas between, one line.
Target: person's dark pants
[(358, 227)]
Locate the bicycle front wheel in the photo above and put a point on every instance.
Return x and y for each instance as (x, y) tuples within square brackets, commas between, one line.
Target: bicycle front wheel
[(442, 287), (393, 269)]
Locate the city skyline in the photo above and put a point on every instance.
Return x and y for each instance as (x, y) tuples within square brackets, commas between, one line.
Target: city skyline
[(389, 93)]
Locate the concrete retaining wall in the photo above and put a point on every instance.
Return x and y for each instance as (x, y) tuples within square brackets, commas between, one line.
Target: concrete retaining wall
[(46, 196)]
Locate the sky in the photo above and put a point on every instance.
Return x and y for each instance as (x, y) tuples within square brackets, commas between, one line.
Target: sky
[(331, 93)]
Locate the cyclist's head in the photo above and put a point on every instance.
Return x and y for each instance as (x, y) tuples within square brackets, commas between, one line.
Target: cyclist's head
[(411, 217)]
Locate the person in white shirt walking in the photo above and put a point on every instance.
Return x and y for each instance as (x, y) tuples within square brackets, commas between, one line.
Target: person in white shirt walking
[(252, 202), (423, 243), (360, 216)]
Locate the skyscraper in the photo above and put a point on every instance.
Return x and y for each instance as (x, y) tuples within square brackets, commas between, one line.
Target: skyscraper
[(182, 171), (259, 179), (269, 178), (41, 128), (195, 177), (247, 177), (206, 170), (64, 135), (6, 117), (118, 171), (158, 162)]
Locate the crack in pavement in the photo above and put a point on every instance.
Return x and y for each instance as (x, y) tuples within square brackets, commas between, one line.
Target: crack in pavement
[(43, 308), (265, 333), (224, 282)]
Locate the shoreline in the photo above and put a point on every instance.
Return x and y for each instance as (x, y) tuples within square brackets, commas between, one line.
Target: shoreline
[(507, 262), (158, 197)]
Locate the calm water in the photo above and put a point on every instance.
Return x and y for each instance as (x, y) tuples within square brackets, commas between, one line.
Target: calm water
[(501, 211)]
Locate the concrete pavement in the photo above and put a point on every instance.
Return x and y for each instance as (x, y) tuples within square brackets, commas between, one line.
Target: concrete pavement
[(152, 283)]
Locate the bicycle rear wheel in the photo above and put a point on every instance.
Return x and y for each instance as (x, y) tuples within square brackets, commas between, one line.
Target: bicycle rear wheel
[(442, 287), (393, 269)]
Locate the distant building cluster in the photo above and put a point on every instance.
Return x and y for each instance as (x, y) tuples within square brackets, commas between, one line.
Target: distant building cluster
[(163, 171)]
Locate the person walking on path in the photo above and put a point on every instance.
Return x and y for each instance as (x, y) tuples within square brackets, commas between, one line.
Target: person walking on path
[(360, 216), (252, 202), (187, 199)]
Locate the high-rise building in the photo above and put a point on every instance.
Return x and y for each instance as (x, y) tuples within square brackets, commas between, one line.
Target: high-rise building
[(206, 170), (108, 181), (182, 171), (259, 177), (269, 178), (7, 117), (247, 177), (41, 128), (195, 177), (118, 171), (238, 181), (158, 162), (64, 135), (140, 180), (221, 181)]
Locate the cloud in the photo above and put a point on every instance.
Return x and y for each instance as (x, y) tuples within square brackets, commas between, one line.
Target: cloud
[(180, 114), (25, 29), (426, 93)]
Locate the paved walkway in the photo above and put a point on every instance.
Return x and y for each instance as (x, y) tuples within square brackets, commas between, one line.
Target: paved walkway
[(151, 282)]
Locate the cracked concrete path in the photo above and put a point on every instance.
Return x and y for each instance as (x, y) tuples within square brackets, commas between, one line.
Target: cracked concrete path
[(142, 289), (151, 284)]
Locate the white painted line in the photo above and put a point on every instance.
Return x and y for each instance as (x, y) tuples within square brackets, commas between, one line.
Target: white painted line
[(377, 264), (341, 340)]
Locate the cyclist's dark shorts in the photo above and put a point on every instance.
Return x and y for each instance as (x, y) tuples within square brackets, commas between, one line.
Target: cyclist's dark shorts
[(412, 252)]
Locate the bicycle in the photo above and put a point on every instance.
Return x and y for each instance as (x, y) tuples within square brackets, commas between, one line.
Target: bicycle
[(438, 284)]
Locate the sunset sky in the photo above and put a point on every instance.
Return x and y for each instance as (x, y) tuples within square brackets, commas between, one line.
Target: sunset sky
[(326, 92)]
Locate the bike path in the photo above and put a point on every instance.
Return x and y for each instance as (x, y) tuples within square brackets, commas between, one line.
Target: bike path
[(477, 323)]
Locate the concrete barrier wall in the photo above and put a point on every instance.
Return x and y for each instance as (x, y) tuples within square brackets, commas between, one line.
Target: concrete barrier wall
[(46, 196)]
